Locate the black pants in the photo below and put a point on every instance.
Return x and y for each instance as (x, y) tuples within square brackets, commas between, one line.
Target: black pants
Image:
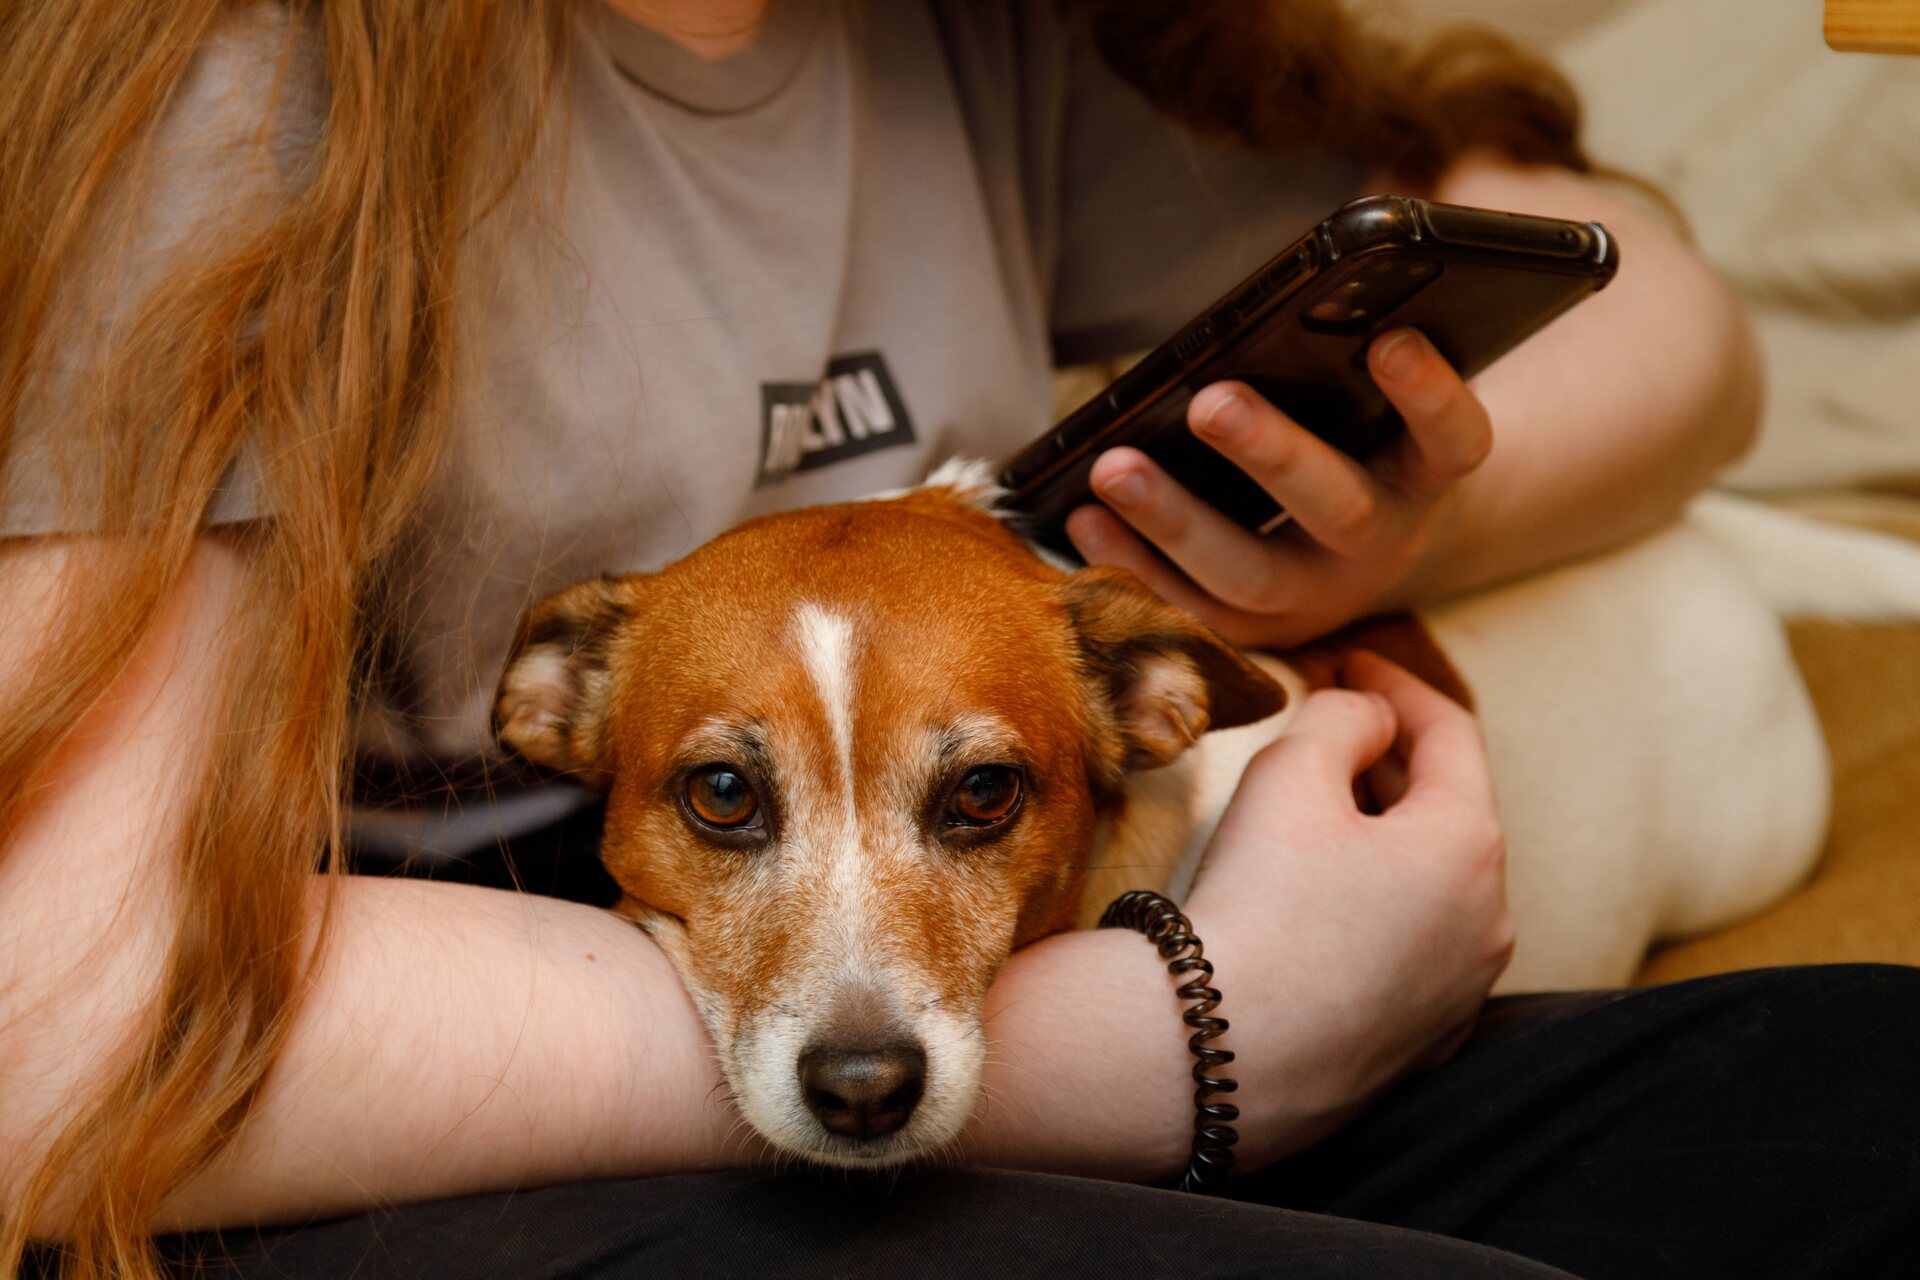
[(1752, 1125)]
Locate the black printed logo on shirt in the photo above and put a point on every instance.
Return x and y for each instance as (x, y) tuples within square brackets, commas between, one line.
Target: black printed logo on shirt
[(855, 409)]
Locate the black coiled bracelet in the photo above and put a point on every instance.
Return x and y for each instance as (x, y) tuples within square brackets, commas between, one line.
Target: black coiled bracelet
[(1211, 1164)]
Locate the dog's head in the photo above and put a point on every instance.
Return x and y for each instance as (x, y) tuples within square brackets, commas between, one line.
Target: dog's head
[(853, 756)]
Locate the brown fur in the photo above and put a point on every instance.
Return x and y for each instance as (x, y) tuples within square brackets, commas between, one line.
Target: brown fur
[(1399, 637)]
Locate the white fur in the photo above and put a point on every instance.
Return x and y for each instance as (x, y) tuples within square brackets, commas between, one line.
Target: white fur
[(826, 647), (827, 858), (972, 478), (1659, 765), (761, 1061), (1807, 568), (764, 1056), (538, 691)]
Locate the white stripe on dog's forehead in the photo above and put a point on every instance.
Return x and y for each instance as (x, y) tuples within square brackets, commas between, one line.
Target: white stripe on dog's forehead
[(824, 835), (827, 649)]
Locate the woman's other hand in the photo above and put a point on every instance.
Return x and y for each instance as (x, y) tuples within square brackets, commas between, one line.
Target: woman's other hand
[(1359, 530), (1353, 947)]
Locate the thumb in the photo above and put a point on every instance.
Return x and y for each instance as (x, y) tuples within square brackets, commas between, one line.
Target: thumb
[(1338, 734)]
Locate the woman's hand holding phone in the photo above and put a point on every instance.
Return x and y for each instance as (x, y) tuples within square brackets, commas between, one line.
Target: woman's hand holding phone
[(1360, 530)]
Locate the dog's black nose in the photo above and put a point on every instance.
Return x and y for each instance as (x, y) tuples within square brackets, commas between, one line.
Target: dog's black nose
[(863, 1093)]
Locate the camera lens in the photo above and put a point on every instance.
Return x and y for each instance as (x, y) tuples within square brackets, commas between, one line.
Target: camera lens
[(1370, 293)]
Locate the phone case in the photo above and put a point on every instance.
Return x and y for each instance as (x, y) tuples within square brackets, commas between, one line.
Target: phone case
[(1476, 282)]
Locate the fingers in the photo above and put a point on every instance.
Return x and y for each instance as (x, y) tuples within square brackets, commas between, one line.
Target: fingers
[(1446, 757), (1103, 538), (1238, 568), (1448, 431), (1329, 495)]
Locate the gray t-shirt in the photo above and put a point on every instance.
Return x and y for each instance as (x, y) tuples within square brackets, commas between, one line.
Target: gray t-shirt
[(796, 275)]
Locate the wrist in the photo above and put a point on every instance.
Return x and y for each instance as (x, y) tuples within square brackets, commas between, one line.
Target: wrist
[(1160, 921), (1090, 1071), (1301, 1052)]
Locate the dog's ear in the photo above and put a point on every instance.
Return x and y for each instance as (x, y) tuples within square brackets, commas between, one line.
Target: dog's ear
[(551, 706), (1165, 676)]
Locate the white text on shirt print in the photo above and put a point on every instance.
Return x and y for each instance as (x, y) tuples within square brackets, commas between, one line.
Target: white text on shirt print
[(855, 409)]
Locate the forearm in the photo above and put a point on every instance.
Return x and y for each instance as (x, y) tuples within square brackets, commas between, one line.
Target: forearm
[(1610, 419), (460, 1039), (1087, 1062), (463, 1039), (452, 1038)]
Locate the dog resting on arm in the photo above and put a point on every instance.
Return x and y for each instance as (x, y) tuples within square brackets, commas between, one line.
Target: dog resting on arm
[(854, 755)]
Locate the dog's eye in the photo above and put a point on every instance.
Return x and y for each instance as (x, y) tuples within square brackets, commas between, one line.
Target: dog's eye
[(721, 797), (984, 797)]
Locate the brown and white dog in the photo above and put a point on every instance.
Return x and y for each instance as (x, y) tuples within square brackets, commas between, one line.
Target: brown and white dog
[(854, 755)]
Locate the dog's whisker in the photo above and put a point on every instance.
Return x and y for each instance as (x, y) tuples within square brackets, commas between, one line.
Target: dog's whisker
[(946, 1153)]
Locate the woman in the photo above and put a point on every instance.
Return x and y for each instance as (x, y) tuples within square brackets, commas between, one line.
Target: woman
[(336, 333)]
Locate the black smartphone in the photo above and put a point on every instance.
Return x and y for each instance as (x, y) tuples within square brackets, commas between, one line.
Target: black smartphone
[(1476, 282)]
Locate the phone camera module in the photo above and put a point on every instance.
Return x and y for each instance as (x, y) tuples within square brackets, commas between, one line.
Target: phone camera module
[(1368, 293)]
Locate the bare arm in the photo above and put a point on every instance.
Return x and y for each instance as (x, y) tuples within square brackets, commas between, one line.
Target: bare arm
[(1595, 431), (457, 1038)]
